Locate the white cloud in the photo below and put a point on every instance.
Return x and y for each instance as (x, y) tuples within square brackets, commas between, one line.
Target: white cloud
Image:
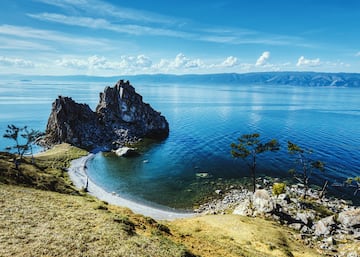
[(98, 14), (47, 35), (143, 61), (15, 62), (181, 61), (263, 59), (180, 64), (134, 63), (124, 63), (357, 54), (230, 61), (108, 10), (71, 20), (72, 63), (10, 43), (91, 63), (96, 23), (302, 61)]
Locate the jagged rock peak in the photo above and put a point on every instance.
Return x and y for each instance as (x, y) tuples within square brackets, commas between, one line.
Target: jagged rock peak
[(120, 117)]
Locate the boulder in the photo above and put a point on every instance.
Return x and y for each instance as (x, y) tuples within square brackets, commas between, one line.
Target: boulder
[(305, 217), (126, 152), (324, 226), (121, 117), (262, 202), (350, 218)]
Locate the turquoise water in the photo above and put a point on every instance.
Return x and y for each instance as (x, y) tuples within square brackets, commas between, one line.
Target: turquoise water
[(204, 120)]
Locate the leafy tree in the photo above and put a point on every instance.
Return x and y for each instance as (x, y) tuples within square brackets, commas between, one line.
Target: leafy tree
[(248, 147), (306, 165), (30, 136), (12, 132)]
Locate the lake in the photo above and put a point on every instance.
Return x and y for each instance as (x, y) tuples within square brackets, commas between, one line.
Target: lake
[(204, 120)]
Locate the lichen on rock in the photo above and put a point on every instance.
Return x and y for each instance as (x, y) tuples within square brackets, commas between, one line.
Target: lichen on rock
[(121, 117)]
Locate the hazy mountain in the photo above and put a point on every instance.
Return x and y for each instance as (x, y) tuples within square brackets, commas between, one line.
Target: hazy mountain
[(311, 79)]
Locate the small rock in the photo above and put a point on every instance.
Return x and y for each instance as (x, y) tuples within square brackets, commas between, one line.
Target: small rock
[(284, 198), (218, 191), (330, 241), (296, 226), (244, 208), (306, 230), (356, 235), (302, 217), (202, 175)]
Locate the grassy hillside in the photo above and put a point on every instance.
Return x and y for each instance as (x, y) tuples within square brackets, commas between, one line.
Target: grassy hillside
[(67, 222), (42, 223), (233, 235), (47, 172)]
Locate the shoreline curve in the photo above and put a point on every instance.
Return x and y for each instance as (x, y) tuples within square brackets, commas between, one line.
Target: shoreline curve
[(77, 174)]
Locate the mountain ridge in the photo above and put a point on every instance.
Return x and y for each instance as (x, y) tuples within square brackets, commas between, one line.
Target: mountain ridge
[(292, 78)]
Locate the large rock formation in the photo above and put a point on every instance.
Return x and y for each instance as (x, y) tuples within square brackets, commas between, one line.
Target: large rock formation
[(120, 117)]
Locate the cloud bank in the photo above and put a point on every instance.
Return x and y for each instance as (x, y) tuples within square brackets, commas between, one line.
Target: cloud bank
[(303, 62)]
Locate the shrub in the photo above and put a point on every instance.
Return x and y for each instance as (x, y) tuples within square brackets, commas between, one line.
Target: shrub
[(278, 188)]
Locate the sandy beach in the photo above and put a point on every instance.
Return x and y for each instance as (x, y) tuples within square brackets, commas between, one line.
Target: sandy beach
[(77, 173)]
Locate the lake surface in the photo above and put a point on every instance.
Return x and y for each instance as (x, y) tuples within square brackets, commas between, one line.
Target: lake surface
[(204, 120)]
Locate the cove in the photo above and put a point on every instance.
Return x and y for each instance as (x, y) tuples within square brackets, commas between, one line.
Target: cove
[(195, 159)]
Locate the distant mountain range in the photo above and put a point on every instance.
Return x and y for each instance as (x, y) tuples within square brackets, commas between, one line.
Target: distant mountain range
[(310, 79)]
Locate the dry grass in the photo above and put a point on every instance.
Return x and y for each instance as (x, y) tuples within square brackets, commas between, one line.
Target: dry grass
[(232, 235), (40, 223)]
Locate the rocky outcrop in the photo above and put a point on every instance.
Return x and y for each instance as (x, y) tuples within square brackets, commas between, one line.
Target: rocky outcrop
[(121, 117), (327, 224)]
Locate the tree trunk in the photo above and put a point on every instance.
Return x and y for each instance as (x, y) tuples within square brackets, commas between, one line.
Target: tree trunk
[(253, 173)]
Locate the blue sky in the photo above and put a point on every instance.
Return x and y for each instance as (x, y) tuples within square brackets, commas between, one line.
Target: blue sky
[(103, 37)]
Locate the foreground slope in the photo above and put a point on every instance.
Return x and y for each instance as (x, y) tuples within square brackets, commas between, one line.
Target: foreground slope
[(42, 223)]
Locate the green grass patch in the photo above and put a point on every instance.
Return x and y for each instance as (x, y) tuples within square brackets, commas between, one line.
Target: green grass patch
[(47, 171)]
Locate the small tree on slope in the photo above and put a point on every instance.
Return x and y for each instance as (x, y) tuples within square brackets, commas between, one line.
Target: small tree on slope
[(306, 165), (249, 147), (14, 133)]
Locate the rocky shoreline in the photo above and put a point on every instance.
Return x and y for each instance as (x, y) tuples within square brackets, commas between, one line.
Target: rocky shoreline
[(323, 223)]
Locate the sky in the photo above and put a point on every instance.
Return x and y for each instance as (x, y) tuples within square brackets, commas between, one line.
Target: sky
[(109, 38)]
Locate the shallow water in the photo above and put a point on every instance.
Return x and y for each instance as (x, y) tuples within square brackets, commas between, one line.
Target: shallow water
[(204, 120)]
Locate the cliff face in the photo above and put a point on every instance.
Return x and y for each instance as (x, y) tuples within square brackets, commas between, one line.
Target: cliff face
[(120, 117)]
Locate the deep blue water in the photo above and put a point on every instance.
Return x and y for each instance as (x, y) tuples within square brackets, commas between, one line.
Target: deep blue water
[(204, 120)]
